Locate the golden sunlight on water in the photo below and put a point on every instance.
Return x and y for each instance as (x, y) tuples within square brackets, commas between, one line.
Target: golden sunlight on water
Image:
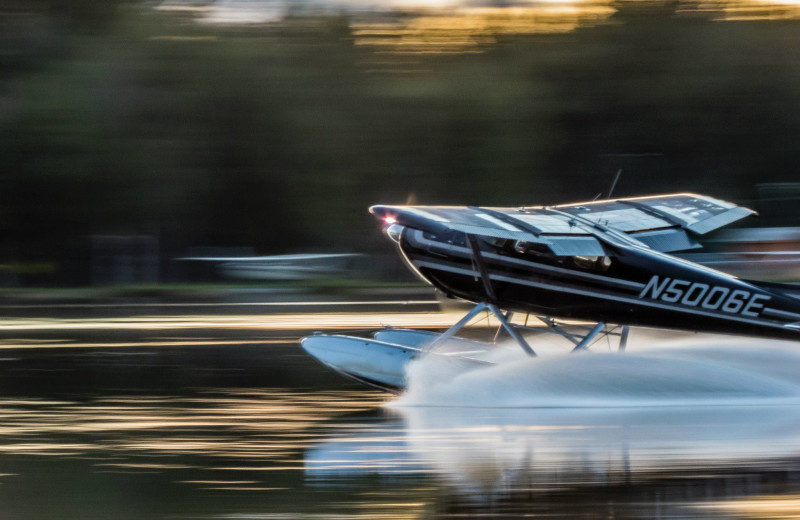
[(264, 426), (214, 445), (327, 321), (237, 422), (785, 507), (258, 433)]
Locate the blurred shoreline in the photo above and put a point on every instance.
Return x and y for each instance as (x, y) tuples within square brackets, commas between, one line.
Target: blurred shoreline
[(133, 136), (177, 294)]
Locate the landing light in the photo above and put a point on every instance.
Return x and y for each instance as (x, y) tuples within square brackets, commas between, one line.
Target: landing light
[(389, 220)]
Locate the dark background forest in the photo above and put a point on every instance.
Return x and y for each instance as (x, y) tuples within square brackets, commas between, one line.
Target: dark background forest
[(121, 119)]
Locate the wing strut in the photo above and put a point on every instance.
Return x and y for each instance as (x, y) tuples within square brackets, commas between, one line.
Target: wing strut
[(489, 304), (476, 255)]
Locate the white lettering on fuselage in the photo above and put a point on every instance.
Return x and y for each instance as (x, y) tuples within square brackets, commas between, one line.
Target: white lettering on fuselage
[(696, 294)]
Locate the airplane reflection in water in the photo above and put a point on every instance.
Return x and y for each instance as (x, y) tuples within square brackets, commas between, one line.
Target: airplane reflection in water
[(640, 420), (234, 445), (491, 450), (488, 428), (629, 463)]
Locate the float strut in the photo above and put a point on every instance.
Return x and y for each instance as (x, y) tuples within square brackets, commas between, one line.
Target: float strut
[(589, 337), (511, 330), (623, 339), (508, 316), (449, 333)]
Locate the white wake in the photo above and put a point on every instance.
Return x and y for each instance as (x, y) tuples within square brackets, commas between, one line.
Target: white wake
[(696, 370)]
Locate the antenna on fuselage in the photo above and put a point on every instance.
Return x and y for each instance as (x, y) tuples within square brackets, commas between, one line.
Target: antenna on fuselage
[(614, 184), (611, 190)]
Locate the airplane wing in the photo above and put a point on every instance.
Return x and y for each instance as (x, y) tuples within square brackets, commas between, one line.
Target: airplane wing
[(665, 223), (695, 213), (554, 231)]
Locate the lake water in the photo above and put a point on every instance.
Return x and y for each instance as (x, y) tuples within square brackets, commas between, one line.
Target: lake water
[(217, 413)]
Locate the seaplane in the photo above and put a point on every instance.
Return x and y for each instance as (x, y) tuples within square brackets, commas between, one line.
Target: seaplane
[(610, 264)]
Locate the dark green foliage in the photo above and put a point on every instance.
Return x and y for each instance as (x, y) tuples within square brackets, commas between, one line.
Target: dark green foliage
[(125, 120)]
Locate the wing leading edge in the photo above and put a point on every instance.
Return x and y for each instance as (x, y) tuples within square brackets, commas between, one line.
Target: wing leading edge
[(664, 223)]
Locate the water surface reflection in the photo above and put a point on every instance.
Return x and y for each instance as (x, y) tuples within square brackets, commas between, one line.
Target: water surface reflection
[(256, 429), (470, 447), (654, 463)]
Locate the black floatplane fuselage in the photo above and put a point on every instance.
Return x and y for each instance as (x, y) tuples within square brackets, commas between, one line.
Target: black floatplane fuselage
[(605, 261)]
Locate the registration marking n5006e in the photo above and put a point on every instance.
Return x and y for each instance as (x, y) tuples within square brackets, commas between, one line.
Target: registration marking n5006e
[(698, 294)]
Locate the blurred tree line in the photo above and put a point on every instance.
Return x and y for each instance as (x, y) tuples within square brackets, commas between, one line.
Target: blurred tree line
[(117, 119)]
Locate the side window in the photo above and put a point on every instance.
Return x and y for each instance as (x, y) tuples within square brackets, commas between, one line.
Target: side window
[(451, 237), (595, 263), (532, 249), (494, 241)]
